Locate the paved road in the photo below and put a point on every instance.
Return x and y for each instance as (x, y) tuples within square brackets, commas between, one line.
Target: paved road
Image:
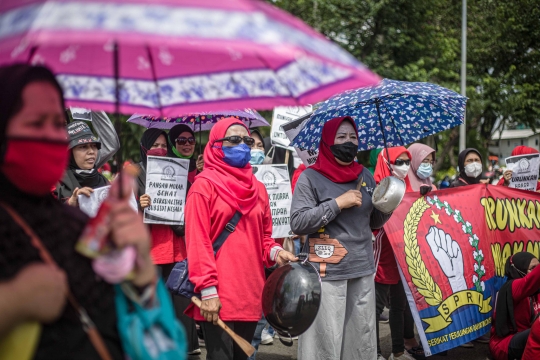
[(277, 351)]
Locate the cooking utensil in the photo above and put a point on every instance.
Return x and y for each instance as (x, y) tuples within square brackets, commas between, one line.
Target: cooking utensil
[(388, 194), (244, 345)]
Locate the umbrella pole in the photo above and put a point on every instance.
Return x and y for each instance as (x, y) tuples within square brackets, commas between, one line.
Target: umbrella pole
[(377, 102), (200, 141), (118, 123)]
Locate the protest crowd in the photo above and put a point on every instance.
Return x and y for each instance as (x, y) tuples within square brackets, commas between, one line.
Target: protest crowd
[(175, 252)]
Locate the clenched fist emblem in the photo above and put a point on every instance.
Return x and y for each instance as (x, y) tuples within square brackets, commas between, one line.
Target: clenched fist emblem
[(448, 254)]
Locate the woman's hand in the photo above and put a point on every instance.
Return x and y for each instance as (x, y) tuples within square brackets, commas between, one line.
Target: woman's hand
[(210, 309), (127, 229), (349, 199), (507, 175), (283, 257), (145, 201), (74, 200), (200, 163)]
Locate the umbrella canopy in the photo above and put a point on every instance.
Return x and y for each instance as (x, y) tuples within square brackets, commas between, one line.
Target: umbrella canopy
[(170, 57), (394, 113), (201, 121)]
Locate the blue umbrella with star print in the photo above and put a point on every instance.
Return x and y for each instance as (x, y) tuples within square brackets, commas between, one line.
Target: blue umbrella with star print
[(393, 113)]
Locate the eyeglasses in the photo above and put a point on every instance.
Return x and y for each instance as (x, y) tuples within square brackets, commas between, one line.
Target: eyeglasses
[(183, 140), (400, 162), (235, 139), (426, 161)]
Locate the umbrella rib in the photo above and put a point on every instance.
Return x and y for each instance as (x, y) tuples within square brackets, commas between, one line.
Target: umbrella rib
[(154, 77)]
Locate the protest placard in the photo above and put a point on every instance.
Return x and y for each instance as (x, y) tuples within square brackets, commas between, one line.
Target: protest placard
[(79, 113), (166, 184), (90, 205), (278, 185), (524, 171), (281, 116), (292, 129)]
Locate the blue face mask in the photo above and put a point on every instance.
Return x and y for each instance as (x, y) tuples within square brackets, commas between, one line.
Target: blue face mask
[(424, 171), (257, 157), (237, 156)]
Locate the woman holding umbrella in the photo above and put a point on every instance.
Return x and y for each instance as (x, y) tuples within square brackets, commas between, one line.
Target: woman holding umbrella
[(231, 282), (327, 205), (182, 145)]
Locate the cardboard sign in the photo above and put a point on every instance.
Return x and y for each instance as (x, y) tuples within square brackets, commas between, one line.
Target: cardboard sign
[(524, 171), (281, 116), (278, 185), (90, 205), (166, 184)]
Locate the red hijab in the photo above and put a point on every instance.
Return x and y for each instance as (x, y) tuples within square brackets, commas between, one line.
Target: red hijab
[(523, 150), (326, 163), (382, 170), (236, 186)]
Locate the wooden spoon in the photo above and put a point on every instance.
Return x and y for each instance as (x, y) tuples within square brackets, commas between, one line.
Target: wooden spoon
[(244, 345)]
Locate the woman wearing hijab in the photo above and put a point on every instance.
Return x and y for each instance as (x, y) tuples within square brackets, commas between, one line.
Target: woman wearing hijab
[(182, 145), (230, 282), (507, 175), (33, 157), (516, 307), (395, 161), (257, 149), (168, 246), (87, 153), (326, 204), (470, 168), (421, 170)]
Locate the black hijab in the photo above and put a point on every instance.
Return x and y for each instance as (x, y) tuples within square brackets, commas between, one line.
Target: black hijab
[(13, 80), (174, 133), (516, 267), (148, 139), (86, 178), (461, 166)]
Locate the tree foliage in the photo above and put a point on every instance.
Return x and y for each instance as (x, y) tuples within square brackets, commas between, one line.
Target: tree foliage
[(420, 40)]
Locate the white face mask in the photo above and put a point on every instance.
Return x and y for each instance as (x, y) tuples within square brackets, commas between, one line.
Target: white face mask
[(473, 170), (400, 171)]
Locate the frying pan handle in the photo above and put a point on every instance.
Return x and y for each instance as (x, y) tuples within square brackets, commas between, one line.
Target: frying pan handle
[(303, 257), (287, 342)]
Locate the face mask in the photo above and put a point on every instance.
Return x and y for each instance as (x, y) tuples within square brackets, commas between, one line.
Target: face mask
[(473, 170), (157, 152), (237, 156), (400, 171), (34, 166), (257, 157), (345, 152), (424, 171)]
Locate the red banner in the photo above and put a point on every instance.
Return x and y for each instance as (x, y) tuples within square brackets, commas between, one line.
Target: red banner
[(451, 247)]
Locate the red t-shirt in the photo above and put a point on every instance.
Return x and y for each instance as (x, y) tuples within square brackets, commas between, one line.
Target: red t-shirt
[(167, 248)]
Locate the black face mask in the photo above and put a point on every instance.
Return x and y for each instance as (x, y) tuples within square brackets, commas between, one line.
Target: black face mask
[(345, 152)]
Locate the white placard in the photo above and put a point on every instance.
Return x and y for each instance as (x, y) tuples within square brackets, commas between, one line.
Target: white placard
[(81, 113), (283, 115), (90, 205), (166, 184), (292, 129), (278, 185), (524, 171)]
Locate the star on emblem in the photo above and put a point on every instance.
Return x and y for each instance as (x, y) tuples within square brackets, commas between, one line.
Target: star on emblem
[(435, 218)]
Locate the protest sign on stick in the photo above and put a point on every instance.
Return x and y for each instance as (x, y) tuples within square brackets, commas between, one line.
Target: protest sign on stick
[(278, 185), (90, 205), (524, 171), (292, 129), (166, 184)]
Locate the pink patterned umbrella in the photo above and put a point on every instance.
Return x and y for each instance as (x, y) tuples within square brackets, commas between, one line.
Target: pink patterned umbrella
[(166, 57)]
